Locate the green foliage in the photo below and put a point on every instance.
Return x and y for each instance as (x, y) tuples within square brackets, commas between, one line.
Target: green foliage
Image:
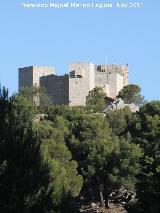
[(42, 163), (35, 164), (47, 130), (23, 178), (148, 187), (105, 162), (68, 113), (36, 95), (146, 132), (131, 94), (22, 111), (145, 128), (95, 100), (119, 120), (90, 126), (59, 161), (64, 179)]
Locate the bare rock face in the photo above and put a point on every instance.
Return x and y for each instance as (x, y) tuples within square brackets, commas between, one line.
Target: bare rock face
[(118, 103)]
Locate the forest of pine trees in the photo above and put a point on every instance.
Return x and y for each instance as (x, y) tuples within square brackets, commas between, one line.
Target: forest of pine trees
[(48, 166)]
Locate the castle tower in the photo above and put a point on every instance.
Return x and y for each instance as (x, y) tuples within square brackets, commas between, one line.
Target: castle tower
[(115, 68), (30, 76), (57, 88), (116, 82), (81, 81)]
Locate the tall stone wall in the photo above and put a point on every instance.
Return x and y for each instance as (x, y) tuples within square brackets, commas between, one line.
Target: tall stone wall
[(101, 80), (30, 76), (116, 84), (115, 68), (81, 81), (57, 88), (25, 77), (39, 71)]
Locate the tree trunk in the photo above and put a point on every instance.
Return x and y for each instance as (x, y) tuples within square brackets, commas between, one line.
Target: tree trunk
[(101, 198), (106, 202), (106, 195)]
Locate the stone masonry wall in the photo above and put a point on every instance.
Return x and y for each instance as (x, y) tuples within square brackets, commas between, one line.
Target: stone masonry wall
[(116, 84), (101, 80), (25, 77), (57, 87), (30, 76), (80, 85), (115, 68), (39, 71)]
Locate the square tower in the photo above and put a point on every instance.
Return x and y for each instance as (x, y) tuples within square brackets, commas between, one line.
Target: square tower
[(30, 76), (81, 81), (115, 68), (115, 84)]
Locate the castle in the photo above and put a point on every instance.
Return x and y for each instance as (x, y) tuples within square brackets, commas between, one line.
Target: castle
[(72, 88)]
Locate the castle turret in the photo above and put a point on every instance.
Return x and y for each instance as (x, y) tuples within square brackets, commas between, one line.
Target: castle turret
[(81, 81), (30, 76), (115, 68), (111, 78)]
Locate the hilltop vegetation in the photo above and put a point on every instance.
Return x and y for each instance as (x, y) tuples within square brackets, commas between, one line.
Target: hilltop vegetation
[(75, 155)]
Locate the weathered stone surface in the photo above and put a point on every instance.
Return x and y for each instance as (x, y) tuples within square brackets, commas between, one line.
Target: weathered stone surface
[(80, 85), (57, 87), (115, 68), (72, 89), (30, 76)]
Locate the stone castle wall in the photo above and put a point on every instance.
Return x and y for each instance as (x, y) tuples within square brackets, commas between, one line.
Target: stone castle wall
[(101, 80), (39, 72), (57, 88), (72, 89), (116, 84), (115, 68), (30, 76), (81, 81), (25, 77)]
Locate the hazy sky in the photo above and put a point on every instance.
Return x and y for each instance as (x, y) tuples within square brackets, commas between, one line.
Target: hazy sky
[(56, 37)]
